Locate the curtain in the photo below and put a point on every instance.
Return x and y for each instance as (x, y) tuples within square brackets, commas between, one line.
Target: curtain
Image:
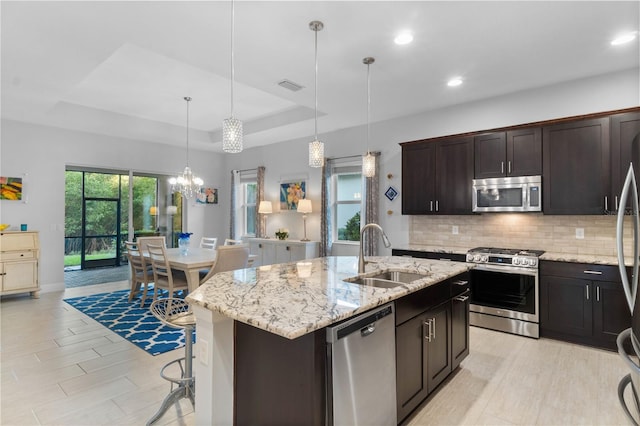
[(261, 219), (325, 216), (235, 179), (371, 190)]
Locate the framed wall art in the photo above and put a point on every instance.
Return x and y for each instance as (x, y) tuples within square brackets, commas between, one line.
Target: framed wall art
[(11, 188), (291, 193), (207, 196)]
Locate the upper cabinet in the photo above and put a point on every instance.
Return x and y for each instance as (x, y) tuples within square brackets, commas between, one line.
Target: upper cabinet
[(437, 175), (625, 149), (576, 167), (511, 153)]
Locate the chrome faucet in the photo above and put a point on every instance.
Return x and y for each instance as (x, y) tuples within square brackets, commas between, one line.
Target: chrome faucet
[(385, 240)]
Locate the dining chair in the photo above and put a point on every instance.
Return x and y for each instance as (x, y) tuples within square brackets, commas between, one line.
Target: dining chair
[(230, 242), (141, 272), (163, 276), (143, 242), (229, 258), (208, 243)]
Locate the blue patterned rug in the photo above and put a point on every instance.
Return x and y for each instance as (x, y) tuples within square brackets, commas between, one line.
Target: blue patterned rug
[(130, 321)]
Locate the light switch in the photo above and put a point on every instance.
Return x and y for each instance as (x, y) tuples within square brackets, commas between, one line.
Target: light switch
[(454, 230), (203, 351), (580, 233)]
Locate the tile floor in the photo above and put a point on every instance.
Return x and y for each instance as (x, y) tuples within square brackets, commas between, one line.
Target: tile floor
[(59, 367)]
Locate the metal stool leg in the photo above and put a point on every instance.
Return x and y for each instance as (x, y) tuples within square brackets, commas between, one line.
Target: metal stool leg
[(186, 383)]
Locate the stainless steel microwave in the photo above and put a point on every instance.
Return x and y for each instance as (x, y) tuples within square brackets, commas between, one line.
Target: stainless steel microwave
[(509, 194)]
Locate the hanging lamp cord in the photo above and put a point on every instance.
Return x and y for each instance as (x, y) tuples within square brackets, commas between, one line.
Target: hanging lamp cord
[(316, 81), (368, 106), (188, 99), (233, 11)]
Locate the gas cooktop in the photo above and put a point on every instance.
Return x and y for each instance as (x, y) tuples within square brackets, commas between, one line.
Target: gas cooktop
[(504, 256)]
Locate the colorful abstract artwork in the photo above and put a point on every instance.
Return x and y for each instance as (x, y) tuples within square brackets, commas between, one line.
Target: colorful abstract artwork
[(207, 196), (291, 193), (10, 188)]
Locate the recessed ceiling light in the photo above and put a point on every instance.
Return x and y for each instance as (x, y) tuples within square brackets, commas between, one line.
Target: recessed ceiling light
[(625, 38), (403, 38), (455, 81)]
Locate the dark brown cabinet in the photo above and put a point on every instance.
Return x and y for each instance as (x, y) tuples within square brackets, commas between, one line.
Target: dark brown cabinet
[(511, 153), (625, 149), (437, 175), (576, 167), (582, 303), (432, 339)]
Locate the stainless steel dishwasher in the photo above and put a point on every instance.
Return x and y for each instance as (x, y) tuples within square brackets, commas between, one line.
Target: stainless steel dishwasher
[(362, 369)]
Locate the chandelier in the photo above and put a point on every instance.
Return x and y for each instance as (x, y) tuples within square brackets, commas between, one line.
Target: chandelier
[(316, 148), (368, 161), (188, 184), (232, 133)]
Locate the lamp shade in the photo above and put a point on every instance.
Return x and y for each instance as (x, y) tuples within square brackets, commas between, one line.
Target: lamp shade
[(153, 211), (171, 210), (304, 206), (265, 207)]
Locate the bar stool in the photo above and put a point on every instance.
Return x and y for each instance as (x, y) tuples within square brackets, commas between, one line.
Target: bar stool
[(177, 314)]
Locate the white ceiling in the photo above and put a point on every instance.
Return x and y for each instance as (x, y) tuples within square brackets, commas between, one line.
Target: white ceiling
[(122, 68)]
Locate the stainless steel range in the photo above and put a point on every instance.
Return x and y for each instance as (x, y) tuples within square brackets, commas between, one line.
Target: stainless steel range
[(505, 290)]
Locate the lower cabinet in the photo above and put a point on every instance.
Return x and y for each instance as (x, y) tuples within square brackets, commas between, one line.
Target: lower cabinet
[(19, 254), (431, 344), (582, 303), (270, 251)]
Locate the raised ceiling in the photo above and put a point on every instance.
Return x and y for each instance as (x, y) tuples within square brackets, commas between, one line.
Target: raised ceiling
[(122, 68)]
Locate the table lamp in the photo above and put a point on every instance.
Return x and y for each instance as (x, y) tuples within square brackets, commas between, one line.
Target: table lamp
[(304, 207), (265, 208)]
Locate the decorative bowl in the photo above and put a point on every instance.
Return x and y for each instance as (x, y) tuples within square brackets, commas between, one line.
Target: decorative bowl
[(4, 226)]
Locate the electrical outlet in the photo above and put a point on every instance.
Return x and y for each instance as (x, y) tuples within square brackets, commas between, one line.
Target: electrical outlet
[(203, 351), (580, 233), (454, 230)]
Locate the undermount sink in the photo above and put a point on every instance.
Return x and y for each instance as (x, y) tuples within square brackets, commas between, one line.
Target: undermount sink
[(388, 279)]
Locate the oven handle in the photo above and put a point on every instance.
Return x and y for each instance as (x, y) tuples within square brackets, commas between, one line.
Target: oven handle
[(507, 269)]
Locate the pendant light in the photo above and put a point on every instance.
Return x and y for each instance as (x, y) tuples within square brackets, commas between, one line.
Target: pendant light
[(187, 183), (316, 148), (232, 133), (369, 160)]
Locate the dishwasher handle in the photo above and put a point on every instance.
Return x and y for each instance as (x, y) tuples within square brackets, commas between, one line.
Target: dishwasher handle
[(364, 324), (368, 330)]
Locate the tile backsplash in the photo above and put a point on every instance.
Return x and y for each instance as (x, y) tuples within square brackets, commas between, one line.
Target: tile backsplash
[(522, 230)]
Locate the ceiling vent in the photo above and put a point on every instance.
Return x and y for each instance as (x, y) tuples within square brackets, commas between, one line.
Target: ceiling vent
[(290, 85)]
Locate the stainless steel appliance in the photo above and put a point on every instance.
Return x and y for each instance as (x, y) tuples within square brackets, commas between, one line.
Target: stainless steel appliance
[(509, 194), (362, 369), (630, 353), (505, 290)]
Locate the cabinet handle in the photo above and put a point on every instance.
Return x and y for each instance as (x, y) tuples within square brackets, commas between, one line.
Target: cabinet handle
[(260, 245), (461, 282), (436, 205), (616, 202), (587, 287), (461, 298), (433, 328), (287, 248), (509, 167), (502, 167), (431, 205), (606, 203), (426, 330), (446, 260), (597, 293), (592, 272)]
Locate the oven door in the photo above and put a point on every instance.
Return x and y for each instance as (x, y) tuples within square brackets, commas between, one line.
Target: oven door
[(509, 292)]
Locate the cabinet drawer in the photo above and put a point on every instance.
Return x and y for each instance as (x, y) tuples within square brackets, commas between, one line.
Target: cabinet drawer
[(17, 255), (18, 241), (418, 302), (580, 270)]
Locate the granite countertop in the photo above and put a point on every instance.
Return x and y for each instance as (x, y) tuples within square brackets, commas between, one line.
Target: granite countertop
[(292, 300), (434, 249)]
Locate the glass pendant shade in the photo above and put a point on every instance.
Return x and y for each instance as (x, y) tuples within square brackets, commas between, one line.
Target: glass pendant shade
[(316, 154), (232, 135), (369, 165)]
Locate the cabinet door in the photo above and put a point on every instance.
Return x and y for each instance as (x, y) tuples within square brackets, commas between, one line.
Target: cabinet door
[(418, 178), (576, 167), (411, 365), (297, 252), (268, 253), (459, 329), (439, 346), (611, 312), (255, 248), (625, 149), (490, 153), (454, 176), (566, 305), (282, 253), (20, 275), (524, 152)]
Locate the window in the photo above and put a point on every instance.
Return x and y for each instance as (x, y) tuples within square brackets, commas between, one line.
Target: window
[(346, 202), (249, 209)]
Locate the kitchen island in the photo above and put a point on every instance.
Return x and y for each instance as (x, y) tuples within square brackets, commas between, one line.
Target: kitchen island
[(288, 304)]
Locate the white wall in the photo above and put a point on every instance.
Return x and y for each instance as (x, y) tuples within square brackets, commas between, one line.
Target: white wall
[(43, 153)]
